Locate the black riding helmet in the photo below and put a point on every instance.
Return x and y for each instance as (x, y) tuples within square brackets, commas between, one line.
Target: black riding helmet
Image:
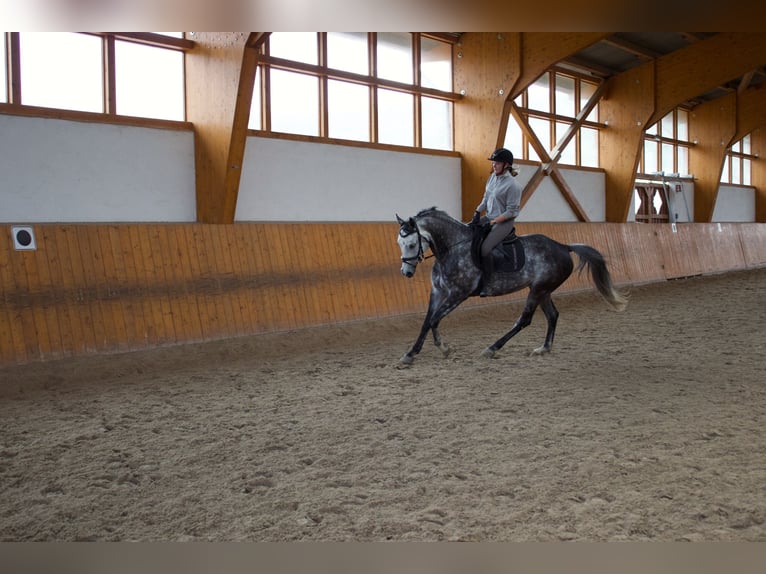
[(501, 154)]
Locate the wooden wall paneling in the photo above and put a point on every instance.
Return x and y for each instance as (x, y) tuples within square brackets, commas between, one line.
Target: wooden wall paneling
[(265, 286), (115, 283), (196, 279), (299, 235), (234, 247), (344, 288), (752, 238), (138, 304), (186, 279), (367, 267), (79, 317), (163, 277), (30, 270), (92, 256), (206, 254), (220, 265), (154, 332), (287, 292), (252, 279), (327, 272), (13, 337), (69, 338), (680, 251), (76, 275), (391, 262), (157, 283), (25, 311), (365, 272), (314, 257), (119, 277), (720, 248), (230, 279), (643, 265)]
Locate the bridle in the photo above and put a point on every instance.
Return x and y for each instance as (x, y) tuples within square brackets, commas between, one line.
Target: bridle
[(415, 259)]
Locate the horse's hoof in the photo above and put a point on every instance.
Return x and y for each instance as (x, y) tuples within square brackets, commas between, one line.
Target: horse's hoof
[(405, 361), (488, 353), (444, 349), (540, 351)]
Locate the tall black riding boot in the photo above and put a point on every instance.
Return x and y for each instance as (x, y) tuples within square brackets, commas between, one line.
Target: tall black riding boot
[(487, 267)]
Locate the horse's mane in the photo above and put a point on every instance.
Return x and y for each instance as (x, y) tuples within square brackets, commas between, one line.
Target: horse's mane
[(434, 211)]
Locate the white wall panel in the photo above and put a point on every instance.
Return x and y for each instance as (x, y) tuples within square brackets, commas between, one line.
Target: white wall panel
[(284, 180), (55, 170)]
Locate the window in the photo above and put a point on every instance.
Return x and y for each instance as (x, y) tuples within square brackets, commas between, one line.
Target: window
[(387, 88), (62, 70), (550, 106), (130, 73), (666, 145), (738, 165), (155, 91)]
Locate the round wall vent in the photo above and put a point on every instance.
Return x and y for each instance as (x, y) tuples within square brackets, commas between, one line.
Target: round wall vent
[(23, 238)]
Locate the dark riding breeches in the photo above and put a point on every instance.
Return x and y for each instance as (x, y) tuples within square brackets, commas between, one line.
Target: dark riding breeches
[(498, 232)]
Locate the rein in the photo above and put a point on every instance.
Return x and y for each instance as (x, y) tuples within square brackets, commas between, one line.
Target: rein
[(421, 256)]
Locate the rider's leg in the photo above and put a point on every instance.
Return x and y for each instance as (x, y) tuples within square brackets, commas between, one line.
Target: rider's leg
[(498, 232)]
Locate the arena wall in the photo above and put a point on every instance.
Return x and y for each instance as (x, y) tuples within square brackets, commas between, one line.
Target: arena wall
[(91, 288)]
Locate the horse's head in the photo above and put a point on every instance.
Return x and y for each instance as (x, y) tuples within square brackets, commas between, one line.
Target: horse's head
[(413, 244)]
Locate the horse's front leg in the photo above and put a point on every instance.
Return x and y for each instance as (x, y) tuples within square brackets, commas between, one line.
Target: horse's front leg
[(438, 308), (409, 356)]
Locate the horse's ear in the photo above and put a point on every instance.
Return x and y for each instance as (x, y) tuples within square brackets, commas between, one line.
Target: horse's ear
[(399, 220), (412, 222)]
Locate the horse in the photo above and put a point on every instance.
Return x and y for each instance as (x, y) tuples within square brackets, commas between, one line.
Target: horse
[(457, 275)]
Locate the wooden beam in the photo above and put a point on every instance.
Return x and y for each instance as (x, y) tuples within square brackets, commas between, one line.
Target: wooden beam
[(577, 124), (758, 146), (625, 108), (751, 111), (712, 126), (13, 63), (541, 50), (484, 64), (632, 48), (548, 166), (568, 194), (690, 71), (220, 74)]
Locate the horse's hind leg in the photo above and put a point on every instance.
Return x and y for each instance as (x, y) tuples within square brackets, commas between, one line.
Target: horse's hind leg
[(533, 300), (552, 315)]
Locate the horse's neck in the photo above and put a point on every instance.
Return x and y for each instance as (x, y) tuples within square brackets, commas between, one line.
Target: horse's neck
[(443, 231)]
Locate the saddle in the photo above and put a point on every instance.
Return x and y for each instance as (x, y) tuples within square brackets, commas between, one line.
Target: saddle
[(508, 255)]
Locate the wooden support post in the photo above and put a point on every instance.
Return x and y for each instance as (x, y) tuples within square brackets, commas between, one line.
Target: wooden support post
[(758, 146), (220, 76), (625, 108), (712, 126)]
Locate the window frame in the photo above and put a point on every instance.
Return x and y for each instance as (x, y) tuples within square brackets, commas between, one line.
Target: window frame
[(661, 139), (553, 118), (744, 158), (266, 63), (15, 88)]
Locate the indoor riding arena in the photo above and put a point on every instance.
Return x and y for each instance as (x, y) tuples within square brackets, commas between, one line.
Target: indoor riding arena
[(202, 341)]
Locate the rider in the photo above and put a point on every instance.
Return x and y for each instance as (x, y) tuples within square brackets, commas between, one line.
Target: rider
[(502, 202)]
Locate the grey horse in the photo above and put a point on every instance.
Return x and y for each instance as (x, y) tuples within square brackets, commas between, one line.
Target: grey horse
[(456, 276)]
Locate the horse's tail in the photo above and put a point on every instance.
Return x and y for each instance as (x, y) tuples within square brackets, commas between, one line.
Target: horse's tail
[(599, 274)]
